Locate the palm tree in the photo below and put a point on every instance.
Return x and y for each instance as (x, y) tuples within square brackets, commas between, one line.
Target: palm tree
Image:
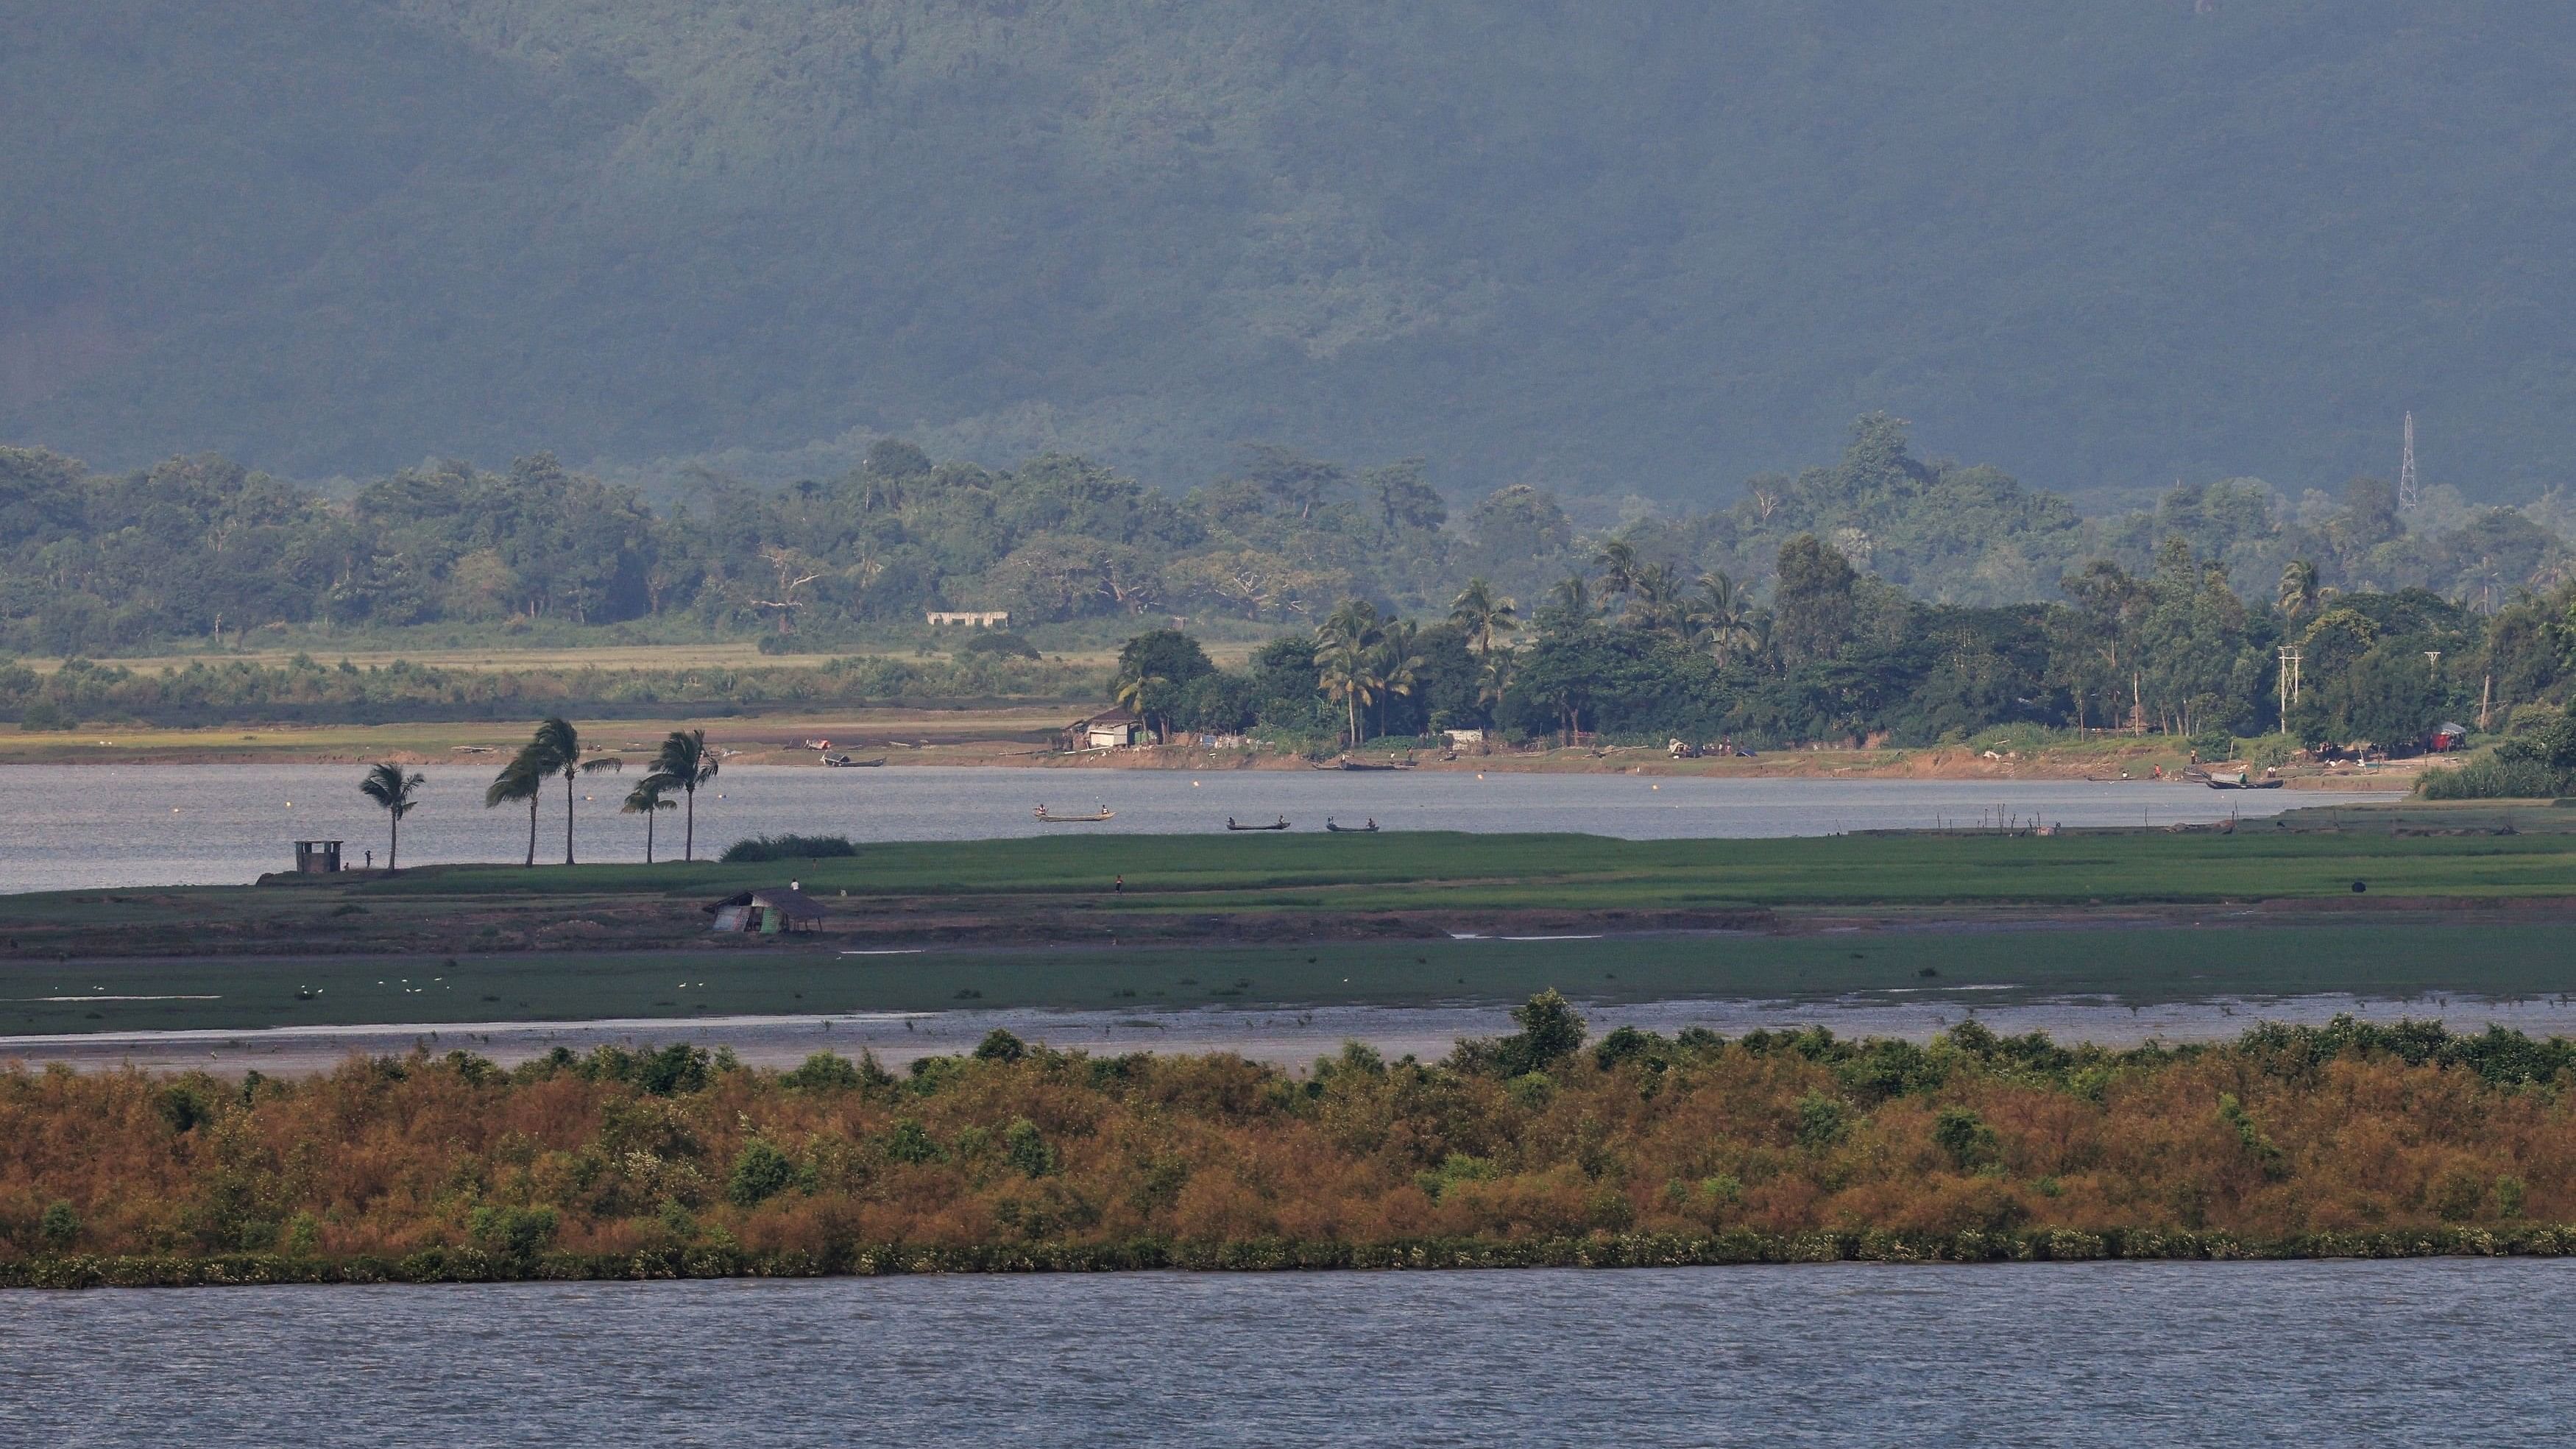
[(1573, 594), (388, 786), (1354, 621), (1482, 617), (1619, 567), (1725, 617), (646, 800), (1344, 673), (1493, 681), (1657, 603), (2300, 594), (1398, 665), (1137, 692), (1343, 645), (524, 778), (686, 762), (560, 743)]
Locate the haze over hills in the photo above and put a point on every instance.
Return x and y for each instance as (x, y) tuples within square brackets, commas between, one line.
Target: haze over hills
[(1650, 248)]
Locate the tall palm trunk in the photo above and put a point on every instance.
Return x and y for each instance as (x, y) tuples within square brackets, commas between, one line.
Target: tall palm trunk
[(567, 817), (533, 802), (689, 827), (393, 847), (648, 837)]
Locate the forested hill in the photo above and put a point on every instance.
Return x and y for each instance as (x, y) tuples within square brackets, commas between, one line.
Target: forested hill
[(1652, 247)]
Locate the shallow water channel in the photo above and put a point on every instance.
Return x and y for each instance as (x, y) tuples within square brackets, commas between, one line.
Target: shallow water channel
[(85, 826)]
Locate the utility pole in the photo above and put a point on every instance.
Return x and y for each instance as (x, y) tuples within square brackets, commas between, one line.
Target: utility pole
[(2289, 683), (2408, 494), (2486, 701)]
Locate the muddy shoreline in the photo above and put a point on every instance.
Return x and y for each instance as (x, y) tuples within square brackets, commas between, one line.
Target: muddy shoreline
[(1279, 1036)]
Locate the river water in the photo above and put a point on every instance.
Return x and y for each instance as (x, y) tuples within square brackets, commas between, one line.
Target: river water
[(2358, 1353), (83, 826)]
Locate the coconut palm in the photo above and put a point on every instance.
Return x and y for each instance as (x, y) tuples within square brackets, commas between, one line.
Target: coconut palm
[(1573, 596), (1397, 664), (1620, 568), (1343, 672), (560, 743), (684, 763), (1725, 618), (1657, 601), (524, 778), (1345, 644), (1140, 695), (1493, 681), (2299, 594), (1354, 621), (389, 787), (646, 800), (1482, 617)]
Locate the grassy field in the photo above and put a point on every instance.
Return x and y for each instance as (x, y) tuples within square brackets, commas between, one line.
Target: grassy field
[(2130, 965), (1317, 918), (1060, 888), (1446, 871)]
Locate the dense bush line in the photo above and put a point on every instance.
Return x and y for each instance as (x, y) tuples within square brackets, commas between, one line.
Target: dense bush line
[(1542, 1147)]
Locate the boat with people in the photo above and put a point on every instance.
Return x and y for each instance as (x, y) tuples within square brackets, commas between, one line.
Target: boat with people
[(1339, 829), (1281, 824), (1049, 817)]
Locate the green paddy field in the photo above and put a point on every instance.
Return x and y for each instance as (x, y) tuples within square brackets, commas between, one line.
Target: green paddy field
[(2479, 902)]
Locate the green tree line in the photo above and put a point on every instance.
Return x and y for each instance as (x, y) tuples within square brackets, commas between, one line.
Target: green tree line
[(199, 551)]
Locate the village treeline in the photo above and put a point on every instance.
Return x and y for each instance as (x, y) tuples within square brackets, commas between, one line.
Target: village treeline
[(1884, 597), (1545, 1146)]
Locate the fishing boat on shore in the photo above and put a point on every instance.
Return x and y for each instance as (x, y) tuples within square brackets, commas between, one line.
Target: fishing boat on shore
[(1281, 824), (1048, 817), (1338, 829), (2244, 780), (1347, 763), (844, 762)]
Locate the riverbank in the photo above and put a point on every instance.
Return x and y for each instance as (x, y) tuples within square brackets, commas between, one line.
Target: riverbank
[(1002, 734), (1285, 1037)]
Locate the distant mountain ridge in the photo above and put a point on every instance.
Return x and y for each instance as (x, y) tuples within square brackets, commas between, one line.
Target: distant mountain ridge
[(1652, 248)]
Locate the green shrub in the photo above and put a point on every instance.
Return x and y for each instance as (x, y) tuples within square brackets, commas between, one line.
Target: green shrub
[(909, 1142), (1000, 641), (2493, 777), (1822, 1121), (1025, 1148), (1000, 1046), (760, 1173), (42, 714), (518, 1233), (825, 1071), (1965, 1137), (59, 1225), (787, 847)]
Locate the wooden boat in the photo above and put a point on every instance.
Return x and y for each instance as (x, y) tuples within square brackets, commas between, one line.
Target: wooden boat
[(1365, 765), (1282, 824), (2242, 780), (1368, 829), (844, 762), (1104, 813)]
